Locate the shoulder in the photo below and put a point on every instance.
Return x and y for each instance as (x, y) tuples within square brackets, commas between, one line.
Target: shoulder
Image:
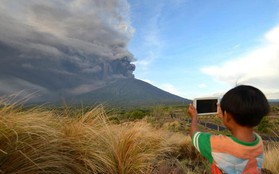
[(201, 138), (214, 140), (220, 138), (200, 135)]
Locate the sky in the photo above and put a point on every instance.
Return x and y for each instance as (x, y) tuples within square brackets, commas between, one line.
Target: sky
[(195, 48), (191, 48)]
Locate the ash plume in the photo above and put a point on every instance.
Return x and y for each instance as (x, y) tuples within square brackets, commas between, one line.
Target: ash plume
[(63, 47)]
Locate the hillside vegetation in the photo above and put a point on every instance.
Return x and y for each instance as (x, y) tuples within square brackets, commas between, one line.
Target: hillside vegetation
[(129, 93), (46, 141)]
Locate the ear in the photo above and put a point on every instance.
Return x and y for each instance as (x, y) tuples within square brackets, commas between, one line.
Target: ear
[(219, 111), (228, 116)]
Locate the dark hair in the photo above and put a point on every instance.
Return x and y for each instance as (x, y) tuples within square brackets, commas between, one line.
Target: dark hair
[(247, 105)]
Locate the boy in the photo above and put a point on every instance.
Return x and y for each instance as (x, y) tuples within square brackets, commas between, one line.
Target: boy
[(240, 109)]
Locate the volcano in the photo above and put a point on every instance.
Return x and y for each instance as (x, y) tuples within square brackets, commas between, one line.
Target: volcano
[(128, 93)]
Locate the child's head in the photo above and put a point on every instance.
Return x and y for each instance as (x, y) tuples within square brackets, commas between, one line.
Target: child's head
[(247, 105)]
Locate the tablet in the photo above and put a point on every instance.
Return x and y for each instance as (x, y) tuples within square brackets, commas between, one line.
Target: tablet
[(206, 106)]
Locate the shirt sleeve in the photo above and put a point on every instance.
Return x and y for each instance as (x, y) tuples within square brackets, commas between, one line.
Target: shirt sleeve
[(201, 141)]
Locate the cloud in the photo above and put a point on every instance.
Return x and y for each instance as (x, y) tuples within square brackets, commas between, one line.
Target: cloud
[(258, 67), (153, 42), (202, 85), (273, 36), (57, 45), (170, 88), (165, 86), (152, 28)]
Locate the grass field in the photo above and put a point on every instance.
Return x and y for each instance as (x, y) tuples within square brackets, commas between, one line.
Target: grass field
[(38, 140)]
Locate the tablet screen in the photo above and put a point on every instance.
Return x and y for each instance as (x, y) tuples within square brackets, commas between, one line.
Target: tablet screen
[(206, 106)]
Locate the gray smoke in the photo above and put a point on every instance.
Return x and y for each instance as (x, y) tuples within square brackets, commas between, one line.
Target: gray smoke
[(63, 47)]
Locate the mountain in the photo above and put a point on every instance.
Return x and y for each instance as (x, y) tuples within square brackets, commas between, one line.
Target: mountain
[(129, 92), (274, 102)]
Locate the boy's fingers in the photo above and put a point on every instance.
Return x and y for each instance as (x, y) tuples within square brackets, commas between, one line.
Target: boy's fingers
[(191, 106)]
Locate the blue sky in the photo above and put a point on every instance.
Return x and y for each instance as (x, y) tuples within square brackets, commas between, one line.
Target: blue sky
[(196, 48)]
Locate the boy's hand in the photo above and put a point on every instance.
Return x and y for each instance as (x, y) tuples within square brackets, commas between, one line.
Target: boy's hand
[(192, 111), (194, 124)]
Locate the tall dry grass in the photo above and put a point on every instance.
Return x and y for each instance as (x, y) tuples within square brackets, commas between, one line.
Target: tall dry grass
[(38, 141), (271, 157), (46, 141)]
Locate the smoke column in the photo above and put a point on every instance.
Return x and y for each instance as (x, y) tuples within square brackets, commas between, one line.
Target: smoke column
[(63, 47)]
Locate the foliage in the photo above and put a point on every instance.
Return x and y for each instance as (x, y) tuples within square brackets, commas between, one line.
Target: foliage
[(172, 126), (264, 126), (275, 109), (137, 114), (123, 115)]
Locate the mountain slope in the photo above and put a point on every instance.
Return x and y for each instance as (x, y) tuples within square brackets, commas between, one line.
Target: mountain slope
[(130, 92)]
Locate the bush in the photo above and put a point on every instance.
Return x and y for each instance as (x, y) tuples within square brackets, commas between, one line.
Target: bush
[(137, 114), (264, 125)]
